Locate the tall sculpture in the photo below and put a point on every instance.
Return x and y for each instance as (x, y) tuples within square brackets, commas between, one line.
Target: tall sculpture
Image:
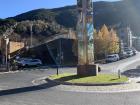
[(85, 30)]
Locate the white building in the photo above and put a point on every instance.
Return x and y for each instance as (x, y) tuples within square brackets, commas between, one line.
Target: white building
[(129, 42), (126, 36), (136, 43)]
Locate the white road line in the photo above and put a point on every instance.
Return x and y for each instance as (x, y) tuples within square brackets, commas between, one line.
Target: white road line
[(117, 91), (42, 79)]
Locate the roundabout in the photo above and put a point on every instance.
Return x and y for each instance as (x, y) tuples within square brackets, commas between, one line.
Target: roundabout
[(57, 94), (100, 80), (118, 87)]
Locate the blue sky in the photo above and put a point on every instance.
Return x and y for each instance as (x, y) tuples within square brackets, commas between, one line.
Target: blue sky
[(10, 8)]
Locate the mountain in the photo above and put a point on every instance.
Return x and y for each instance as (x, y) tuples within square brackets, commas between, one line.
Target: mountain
[(121, 14), (65, 16)]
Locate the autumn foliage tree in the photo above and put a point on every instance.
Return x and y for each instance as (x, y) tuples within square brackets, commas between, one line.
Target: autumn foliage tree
[(105, 42)]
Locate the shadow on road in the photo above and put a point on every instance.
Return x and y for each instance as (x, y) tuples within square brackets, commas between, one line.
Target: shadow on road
[(132, 73), (28, 89)]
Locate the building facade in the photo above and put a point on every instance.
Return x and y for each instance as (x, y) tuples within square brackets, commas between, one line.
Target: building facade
[(126, 36)]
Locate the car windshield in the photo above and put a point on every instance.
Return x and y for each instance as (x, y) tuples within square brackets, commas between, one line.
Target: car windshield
[(110, 56), (35, 60), (128, 50)]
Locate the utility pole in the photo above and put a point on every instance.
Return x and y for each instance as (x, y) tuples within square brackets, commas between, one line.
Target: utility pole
[(31, 34), (59, 52), (6, 50), (8, 32)]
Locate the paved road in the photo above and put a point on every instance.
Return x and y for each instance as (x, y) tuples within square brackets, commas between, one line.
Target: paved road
[(53, 97), (25, 78), (27, 94), (123, 65)]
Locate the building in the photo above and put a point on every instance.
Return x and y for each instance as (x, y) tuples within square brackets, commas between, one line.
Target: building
[(136, 43), (126, 36), (10, 48), (129, 37)]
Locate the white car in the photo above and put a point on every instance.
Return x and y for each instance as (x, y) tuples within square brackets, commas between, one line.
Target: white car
[(28, 62), (112, 58), (129, 52)]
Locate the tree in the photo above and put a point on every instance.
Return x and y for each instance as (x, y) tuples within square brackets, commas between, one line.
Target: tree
[(105, 42), (114, 42), (98, 45), (105, 39)]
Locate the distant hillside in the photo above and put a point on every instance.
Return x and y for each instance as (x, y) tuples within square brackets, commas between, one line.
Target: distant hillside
[(39, 14), (120, 14), (65, 16)]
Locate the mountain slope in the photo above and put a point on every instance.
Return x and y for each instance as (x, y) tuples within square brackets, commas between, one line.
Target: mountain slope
[(124, 13)]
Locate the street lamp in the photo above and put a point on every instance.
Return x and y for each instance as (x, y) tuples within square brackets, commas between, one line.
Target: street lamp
[(31, 34), (6, 50)]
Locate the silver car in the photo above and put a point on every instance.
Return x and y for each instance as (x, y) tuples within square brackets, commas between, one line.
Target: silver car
[(28, 62), (112, 58)]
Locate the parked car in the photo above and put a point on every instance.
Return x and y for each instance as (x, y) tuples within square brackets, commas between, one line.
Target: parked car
[(112, 58), (23, 62), (129, 53), (134, 51), (123, 55)]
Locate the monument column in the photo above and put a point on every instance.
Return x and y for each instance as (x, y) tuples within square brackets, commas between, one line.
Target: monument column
[(85, 30)]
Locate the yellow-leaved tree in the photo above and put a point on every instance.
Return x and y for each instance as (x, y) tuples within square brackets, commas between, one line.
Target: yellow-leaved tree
[(105, 42), (105, 39), (114, 42)]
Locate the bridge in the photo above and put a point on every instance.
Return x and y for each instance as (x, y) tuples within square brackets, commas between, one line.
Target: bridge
[(67, 35)]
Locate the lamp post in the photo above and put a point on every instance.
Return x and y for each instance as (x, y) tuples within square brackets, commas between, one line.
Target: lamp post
[(31, 34), (6, 50)]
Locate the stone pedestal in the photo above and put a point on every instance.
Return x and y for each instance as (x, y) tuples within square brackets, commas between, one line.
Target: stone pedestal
[(87, 70)]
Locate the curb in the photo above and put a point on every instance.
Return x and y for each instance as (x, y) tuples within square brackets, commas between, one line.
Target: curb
[(86, 84), (9, 72)]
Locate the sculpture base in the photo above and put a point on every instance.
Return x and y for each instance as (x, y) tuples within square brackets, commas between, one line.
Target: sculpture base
[(87, 70)]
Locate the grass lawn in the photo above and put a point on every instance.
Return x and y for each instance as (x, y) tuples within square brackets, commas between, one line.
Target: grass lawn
[(101, 78)]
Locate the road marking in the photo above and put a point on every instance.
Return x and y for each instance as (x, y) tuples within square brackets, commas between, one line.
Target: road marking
[(117, 91), (42, 79)]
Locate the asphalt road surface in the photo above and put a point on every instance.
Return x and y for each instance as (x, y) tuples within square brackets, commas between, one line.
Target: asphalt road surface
[(21, 91), (56, 97), (122, 65)]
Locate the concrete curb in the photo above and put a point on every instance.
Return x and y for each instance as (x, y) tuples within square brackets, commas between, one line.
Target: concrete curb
[(86, 84), (9, 72)]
